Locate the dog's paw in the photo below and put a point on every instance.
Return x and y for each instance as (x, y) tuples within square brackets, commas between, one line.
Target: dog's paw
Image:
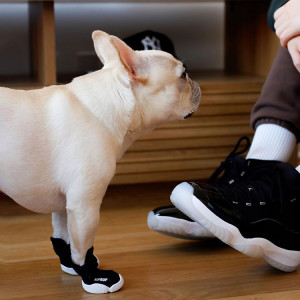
[(102, 282), (63, 250)]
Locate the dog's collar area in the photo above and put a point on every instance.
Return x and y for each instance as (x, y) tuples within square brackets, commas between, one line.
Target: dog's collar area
[(187, 116)]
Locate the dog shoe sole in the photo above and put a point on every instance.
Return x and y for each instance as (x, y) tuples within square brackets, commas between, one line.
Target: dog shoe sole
[(98, 288), (183, 198), (68, 270)]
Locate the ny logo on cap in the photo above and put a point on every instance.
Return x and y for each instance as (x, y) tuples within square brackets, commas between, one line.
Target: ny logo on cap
[(151, 44)]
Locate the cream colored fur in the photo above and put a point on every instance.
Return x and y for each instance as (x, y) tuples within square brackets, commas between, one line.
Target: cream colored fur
[(60, 144)]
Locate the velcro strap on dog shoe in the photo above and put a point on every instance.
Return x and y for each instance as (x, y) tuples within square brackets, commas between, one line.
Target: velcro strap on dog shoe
[(63, 250)]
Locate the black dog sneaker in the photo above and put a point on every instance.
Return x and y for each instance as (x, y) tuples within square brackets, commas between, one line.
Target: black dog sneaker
[(93, 280), (256, 213), (63, 250), (97, 281)]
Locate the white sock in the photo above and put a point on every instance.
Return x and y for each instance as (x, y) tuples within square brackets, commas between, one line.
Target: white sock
[(298, 168), (272, 142)]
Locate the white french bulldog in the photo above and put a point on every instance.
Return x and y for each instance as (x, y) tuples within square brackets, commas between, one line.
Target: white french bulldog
[(60, 144)]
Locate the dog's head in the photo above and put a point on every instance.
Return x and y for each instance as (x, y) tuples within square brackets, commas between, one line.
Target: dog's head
[(163, 89)]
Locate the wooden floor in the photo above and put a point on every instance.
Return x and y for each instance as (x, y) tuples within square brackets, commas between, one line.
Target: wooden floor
[(153, 266)]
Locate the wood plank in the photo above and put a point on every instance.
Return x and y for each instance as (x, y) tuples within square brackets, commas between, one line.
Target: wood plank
[(42, 44), (194, 132), (267, 296), (251, 49), (224, 82), (167, 155), (167, 166), (206, 121), (177, 176), (154, 266), (233, 98), (192, 143)]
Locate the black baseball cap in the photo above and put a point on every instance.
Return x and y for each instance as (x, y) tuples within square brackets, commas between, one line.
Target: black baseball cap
[(150, 40)]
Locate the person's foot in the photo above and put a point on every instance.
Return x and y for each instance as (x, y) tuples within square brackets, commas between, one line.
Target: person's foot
[(170, 221), (257, 212)]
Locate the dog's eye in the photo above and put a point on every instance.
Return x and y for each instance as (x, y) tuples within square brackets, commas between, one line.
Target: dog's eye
[(183, 75)]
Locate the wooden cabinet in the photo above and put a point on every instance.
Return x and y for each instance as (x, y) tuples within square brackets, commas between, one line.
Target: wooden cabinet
[(190, 149)]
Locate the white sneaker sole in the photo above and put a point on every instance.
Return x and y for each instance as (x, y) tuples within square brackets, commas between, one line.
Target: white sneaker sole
[(178, 228), (285, 260), (98, 288)]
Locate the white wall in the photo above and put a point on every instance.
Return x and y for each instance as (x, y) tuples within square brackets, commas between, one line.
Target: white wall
[(196, 30)]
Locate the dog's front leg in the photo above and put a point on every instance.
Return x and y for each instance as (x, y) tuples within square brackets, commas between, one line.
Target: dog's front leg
[(82, 226), (61, 243), (83, 219)]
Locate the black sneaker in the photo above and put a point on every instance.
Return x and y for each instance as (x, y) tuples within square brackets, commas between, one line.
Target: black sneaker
[(170, 221), (256, 213)]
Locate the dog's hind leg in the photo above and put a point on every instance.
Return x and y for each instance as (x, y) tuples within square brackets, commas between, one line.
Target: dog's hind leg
[(60, 226), (61, 243)]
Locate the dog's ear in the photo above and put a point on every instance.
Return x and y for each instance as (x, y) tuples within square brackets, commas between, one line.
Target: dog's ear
[(109, 48), (104, 47)]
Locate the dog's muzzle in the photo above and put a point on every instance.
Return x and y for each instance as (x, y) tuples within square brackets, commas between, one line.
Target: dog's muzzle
[(195, 99), (187, 116)]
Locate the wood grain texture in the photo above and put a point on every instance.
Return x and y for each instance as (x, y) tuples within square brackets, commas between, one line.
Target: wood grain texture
[(154, 266), (42, 42), (250, 45)]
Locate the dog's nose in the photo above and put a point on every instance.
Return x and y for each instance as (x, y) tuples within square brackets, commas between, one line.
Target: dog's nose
[(187, 116)]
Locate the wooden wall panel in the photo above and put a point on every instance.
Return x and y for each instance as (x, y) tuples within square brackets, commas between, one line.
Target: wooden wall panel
[(192, 149), (42, 44)]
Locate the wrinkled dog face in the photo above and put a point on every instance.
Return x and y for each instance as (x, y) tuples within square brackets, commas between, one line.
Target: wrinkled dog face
[(160, 84), (169, 89)]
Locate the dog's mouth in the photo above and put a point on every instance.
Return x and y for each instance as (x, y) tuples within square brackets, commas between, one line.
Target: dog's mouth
[(188, 115)]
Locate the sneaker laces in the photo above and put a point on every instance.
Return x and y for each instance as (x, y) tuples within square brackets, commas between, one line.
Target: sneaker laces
[(248, 191), (258, 185), (231, 164)]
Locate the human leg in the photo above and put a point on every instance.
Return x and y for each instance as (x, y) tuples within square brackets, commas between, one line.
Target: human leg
[(257, 212)]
